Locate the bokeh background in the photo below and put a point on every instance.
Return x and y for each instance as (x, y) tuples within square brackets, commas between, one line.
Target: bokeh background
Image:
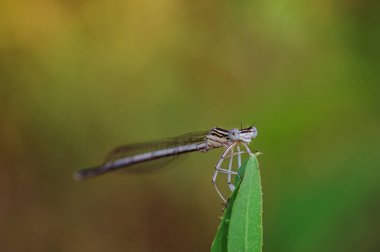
[(78, 78)]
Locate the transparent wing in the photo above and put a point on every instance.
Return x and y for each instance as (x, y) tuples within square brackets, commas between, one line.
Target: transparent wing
[(147, 165), (139, 148)]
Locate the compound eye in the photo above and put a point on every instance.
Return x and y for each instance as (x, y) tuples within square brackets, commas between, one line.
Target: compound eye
[(254, 131)]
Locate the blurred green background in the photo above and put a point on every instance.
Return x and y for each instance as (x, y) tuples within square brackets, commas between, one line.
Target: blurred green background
[(78, 78)]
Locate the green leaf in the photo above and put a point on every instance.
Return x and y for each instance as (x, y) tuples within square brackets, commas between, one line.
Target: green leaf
[(245, 230), (241, 225)]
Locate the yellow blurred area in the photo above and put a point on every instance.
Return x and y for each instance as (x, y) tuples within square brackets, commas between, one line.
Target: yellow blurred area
[(78, 78)]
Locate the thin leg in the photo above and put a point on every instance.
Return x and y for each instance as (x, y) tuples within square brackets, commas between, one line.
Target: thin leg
[(218, 169), (247, 148), (229, 175), (239, 156), (221, 170)]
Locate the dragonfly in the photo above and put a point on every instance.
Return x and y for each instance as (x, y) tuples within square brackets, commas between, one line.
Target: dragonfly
[(145, 157)]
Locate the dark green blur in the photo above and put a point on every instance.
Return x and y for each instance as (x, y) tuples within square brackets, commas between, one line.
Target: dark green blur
[(78, 78)]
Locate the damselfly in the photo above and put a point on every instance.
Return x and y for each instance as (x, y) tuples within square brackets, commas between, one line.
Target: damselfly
[(128, 158)]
